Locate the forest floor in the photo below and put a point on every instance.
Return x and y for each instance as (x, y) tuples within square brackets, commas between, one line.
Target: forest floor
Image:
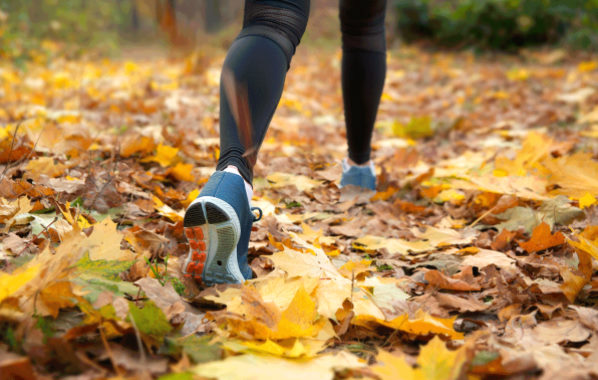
[(475, 257)]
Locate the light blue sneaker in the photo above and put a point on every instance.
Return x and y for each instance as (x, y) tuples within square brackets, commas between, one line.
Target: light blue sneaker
[(362, 176), (217, 226)]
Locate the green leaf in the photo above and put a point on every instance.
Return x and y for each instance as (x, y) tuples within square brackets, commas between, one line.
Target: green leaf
[(177, 376), (109, 269), (484, 357), (96, 285), (150, 320), (199, 349), (553, 211), (418, 127)]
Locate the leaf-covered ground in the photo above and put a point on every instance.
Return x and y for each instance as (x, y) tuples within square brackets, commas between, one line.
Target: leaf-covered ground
[(475, 258)]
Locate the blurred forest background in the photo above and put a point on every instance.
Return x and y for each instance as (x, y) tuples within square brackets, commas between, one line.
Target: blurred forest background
[(37, 28)]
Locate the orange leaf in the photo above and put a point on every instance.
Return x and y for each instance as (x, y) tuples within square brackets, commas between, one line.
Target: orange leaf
[(503, 239), (542, 239)]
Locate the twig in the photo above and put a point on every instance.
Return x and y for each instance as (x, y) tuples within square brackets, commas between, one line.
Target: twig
[(110, 178), (352, 284), (23, 159), (142, 356), (12, 145), (481, 217), (81, 356), (37, 235), (109, 351)]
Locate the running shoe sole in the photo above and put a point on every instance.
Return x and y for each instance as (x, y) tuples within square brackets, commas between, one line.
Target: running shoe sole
[(212, 229)]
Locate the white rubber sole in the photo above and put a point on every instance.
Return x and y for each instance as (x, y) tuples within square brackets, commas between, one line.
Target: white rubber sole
[(213, 230)]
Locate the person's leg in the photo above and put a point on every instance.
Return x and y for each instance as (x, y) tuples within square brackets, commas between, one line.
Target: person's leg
[(363, 72), (218, 223), (256, 63)]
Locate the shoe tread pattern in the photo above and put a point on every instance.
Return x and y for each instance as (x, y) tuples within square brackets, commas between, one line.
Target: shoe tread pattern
[(220, 260)]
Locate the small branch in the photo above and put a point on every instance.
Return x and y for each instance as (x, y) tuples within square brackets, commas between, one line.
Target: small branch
[(12, 145), (482, 217), (37, 235), (142, 356), (109, 351)]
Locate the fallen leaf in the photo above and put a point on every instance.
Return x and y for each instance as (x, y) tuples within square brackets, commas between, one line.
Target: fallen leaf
[(422, 324), (165, 156), (542, 239), (434, 362), (439, 280), (255, 366)]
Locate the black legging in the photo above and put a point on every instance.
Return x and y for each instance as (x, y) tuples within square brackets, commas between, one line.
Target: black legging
[(256, 65)]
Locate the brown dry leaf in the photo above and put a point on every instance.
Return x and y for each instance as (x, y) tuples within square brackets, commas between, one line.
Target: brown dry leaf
[(439, 280), (486, 257), (13, 366), (561, 330), (587, 316), (542, 239), (461, 303)]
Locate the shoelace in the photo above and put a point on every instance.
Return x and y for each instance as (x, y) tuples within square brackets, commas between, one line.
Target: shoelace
[(259, 210)]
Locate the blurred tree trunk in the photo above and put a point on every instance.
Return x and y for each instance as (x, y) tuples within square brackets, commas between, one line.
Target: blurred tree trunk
[(134, 17), (166, 13), (213, 19)]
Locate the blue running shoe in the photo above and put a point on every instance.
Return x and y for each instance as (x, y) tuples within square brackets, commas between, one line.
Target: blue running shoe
[(217, 226), (362, 176)]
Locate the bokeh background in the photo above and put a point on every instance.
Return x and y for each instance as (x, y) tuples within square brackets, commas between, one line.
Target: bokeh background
[(38, 28)]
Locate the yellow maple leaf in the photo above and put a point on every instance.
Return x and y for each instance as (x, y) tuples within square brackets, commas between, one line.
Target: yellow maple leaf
[(10, 283), (588, 66), (587, 200), (166, 210), (182, 172), (588, 241), (136, 144), (394, 246), (44, 166), (264, 320), (302, 182), (256, 366), (51, 280), (190, 197), (422, 324), (535, 147), (104, 242), (435, 362), (294, 349), (352, 269), (165, 156), (518, 74), (575, 175)]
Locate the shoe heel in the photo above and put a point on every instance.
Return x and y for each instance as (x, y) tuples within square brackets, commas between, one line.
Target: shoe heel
[(213, 230), (195, 231)]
